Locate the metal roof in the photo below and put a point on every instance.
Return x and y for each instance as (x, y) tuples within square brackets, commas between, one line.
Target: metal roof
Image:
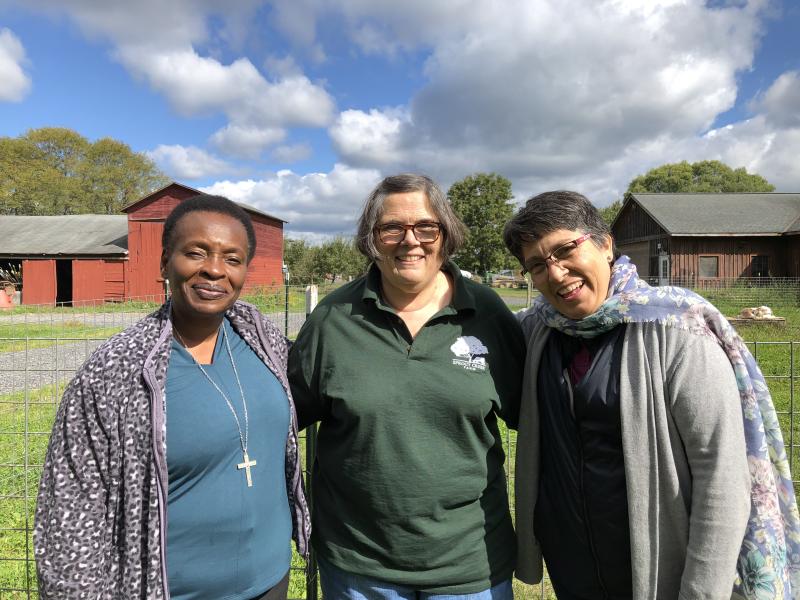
[(724, 214), (247, 207), (67, 235)]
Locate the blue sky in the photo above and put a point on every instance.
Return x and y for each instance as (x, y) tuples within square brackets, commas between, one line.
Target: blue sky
[(299, 107)]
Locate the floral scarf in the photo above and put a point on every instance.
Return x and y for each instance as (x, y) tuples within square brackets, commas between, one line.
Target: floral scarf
[(769, 560)]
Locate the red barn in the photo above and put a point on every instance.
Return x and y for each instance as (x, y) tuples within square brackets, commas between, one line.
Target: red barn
[(83, 259), (66, 259)]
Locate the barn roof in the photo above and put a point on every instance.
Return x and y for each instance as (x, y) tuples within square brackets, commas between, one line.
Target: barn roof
[(162, 191), (724, 214), (64, 235)]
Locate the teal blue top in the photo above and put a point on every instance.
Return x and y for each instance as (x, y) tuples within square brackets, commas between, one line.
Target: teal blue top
[(225, 540)]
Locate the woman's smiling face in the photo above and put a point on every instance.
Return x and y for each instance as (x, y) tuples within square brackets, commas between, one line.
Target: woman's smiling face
[(577, 285), (206, 264), (408, 266)]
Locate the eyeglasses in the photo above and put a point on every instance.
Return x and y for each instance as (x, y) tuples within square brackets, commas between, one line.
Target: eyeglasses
[(426, 232), (538, 267)]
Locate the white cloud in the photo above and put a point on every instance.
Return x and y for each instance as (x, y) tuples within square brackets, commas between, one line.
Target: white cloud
[(188, 162), (197, 85), (246, 142), (291, 153), (781, 102), (369, 138), (313, 204), (549, 92), (14, 82), (158, 42)]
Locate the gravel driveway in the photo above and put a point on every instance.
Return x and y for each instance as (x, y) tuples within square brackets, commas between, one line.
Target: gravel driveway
[(38, 367)]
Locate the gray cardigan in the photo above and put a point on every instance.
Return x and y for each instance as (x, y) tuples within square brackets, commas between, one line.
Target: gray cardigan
[(101, 515), (686, 469)]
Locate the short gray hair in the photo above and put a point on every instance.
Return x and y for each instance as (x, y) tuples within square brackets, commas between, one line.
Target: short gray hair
[(454, 232), (551, 211)]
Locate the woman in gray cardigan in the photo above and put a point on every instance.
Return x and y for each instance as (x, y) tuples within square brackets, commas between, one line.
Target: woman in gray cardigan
[(650, 464)]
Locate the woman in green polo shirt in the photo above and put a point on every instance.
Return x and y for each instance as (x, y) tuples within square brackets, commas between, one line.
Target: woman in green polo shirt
[(407, 370)]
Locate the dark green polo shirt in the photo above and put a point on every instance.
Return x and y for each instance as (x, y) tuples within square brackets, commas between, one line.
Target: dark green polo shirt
[(408, 483)]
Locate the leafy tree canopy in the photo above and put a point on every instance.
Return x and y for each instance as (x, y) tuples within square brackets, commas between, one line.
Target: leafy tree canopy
[(610, 212), (57, 171), (335, 259), (711, 176), (484, 202), (703, 176)]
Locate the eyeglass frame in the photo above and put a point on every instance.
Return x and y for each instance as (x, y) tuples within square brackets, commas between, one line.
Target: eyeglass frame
[(377, 229), (550, 259)]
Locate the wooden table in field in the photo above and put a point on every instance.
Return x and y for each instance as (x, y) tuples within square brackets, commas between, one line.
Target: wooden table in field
[(738, 321)]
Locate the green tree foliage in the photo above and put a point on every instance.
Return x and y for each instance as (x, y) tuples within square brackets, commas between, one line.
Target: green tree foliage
[(56, 171), (703, 176), (335, 259), (710, 176), (484, 202), (610, 212)]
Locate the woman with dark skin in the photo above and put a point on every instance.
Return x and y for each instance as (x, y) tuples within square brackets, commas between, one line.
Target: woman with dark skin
[(173, 468)]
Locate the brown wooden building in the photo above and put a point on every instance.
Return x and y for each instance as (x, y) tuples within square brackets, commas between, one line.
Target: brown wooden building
[(84, 259), (688, 238)]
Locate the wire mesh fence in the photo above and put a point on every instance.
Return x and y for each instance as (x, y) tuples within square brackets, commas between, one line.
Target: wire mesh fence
[(742, 291), (42, 347)]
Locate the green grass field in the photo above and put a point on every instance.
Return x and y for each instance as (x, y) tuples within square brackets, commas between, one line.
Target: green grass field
[(25, 423), (18, 337)]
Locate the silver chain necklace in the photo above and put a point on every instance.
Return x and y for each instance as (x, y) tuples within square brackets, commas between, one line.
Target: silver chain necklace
[(247, 463)]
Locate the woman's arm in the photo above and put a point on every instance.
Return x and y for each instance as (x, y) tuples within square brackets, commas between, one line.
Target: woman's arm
[(74, 514), (304, 373), (706, 409)]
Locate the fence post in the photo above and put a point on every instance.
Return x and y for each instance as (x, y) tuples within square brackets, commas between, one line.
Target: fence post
[(312, 295), (286, 309)]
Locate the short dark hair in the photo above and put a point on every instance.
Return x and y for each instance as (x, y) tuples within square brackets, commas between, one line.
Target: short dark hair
[(551, 211), (208, 203), (454, 233)]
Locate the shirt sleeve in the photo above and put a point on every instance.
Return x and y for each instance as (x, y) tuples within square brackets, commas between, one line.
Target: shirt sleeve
[(508, 374), (706, 408), (74, 525), (304, 373)]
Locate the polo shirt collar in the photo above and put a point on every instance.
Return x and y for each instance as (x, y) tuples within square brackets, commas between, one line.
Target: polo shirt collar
[(463, 299)]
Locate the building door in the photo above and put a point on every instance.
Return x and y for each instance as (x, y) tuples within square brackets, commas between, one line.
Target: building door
[(663, 268), (64, 282), (39, 282), (759, 265)]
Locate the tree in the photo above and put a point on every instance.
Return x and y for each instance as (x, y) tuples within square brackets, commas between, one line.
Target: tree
[(703, 176), (610, 212), (56, 171), (337, 258), (113, 176), (484, 202)]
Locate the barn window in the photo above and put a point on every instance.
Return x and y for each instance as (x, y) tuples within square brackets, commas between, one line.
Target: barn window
[(708, 266)]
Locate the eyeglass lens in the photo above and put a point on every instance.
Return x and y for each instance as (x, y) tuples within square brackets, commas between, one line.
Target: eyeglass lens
[(395, 233)]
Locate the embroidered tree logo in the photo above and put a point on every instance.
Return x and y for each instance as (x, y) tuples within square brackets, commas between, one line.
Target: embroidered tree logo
[(468, 346)]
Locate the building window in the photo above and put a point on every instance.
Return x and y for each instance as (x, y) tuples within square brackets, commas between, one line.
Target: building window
[(708, 266), (759, 265)]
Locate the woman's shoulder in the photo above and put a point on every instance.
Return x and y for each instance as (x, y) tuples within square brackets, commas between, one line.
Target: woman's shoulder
[(133, 344), (673, 344), (487, 300), (348, 293)]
